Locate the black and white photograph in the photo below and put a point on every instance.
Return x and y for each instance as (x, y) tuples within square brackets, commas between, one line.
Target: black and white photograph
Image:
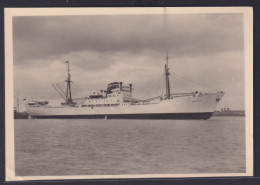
[(99, 93)]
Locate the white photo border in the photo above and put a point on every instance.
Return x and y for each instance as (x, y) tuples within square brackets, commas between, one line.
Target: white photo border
[(9, 13)]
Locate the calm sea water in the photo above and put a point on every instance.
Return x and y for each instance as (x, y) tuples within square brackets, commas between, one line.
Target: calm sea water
[(99, 147)]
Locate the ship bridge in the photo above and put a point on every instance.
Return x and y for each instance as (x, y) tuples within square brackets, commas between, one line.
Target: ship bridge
[(115, 94), (118, 85), (117, 89)]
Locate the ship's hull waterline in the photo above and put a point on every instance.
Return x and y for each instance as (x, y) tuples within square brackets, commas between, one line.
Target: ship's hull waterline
[(198, 107), (180, 116)]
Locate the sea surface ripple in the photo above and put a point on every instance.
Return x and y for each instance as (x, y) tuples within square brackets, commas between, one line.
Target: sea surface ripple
[(117, 147)]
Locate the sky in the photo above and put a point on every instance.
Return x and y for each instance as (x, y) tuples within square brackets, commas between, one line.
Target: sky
[(206, 53)]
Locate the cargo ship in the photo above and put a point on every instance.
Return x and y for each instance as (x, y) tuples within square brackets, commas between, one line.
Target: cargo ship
[(117, 102)]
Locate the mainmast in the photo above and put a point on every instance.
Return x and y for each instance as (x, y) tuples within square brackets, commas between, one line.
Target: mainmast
[(167, 81), (68, 92)]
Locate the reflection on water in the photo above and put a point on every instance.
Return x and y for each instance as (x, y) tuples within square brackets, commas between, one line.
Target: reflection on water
[(99, 147)]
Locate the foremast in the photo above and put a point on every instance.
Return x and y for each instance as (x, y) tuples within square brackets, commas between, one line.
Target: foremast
[(68, 91), (167, 80)]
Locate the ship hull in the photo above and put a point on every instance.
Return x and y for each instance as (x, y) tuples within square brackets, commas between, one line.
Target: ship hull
[(180, 116), (199, 107)]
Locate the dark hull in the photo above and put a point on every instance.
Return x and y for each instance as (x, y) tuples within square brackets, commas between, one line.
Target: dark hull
[(183, 116)]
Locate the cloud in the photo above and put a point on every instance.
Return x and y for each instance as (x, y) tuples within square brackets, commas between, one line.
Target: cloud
[(45, 37)]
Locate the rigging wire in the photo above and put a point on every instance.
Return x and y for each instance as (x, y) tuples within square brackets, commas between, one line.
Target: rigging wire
[(203, 85), (153, 89), (180, 82), (156, 87), (176, 84), (163, 86), (162, 82), (62, 87)]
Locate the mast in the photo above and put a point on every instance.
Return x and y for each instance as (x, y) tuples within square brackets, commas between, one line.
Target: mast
[(166, 68), (167, 80), (68, 92), (17, 103)]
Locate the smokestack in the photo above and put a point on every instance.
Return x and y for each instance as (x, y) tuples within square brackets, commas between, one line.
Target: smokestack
[(120, 85), (130, 85)]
